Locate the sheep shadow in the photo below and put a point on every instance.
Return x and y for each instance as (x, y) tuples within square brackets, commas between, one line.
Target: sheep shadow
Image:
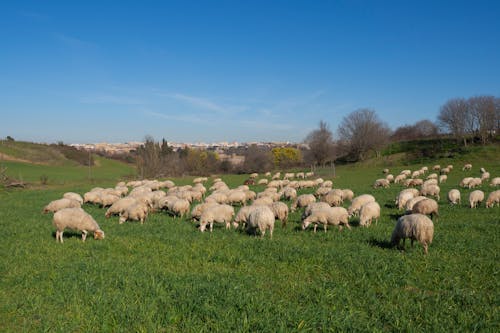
[(390, 204), (383, 244), (70, 234), (396, 216)]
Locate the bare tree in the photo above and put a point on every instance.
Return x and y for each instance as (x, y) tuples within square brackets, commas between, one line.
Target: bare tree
[(485, 113), (421, 129), (257, 159), (321, 146), (362, 131), (455, 116)]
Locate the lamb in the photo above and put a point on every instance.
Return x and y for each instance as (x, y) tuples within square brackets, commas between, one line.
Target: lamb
[(59, 204), (137, 212), (218, 213), (358, 202), (262, 218), (382, 182), (467, 167), (475, 198), (416, 227), (280, 210), (493, 199), (74, 196), (495, 181), (426, 207), (454, 197), (432, 190), (120, 206), (302, 201), (368, 212), (332, 215), (77, 219)]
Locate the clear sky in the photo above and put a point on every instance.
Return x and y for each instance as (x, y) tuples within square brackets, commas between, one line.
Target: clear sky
[(189, 71)]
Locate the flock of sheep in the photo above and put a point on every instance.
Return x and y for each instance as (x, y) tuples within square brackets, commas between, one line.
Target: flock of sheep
[(259, 211)]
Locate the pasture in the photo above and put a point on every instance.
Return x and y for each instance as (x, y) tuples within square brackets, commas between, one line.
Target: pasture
[(167, 276)]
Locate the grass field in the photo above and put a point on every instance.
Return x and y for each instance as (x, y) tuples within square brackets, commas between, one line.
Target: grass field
[(166, 276)]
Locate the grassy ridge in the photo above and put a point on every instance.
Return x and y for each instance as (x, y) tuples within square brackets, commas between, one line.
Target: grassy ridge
[(167, 276)]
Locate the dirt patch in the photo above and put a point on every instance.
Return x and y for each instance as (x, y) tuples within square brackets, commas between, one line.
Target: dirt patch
[(6, 157)]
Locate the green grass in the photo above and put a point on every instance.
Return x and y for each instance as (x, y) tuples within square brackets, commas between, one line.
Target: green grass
[(166, 276)]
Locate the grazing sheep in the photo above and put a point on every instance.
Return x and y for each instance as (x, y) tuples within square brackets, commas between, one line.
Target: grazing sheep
[(254, 175), (262, 181), (467, 167), (454, 197), (382, 182), (309, 174), (407, 173), (437, 167), (74, 196), (390, 178), (429, 182), (331, 215), (220, 198), (179, 207), (399, 178), (432, 190), (426, 207), (432, 176), (465, 182), (482, 170), (276, 176), (262, 218), (321, 191), (76, 219), (289, 175), (107, 200), (59, 204), (136, 212), (243, 214), (368, 212), (475, 198), (302, 201), (314, 206), (416, 227), (493, 199), (358, 202), (474, 182), (410, 203), (333, 199), (347, 194), (416, 174), (424, 169), (263, 201), (237, 197), (200, 208), (280, 210), (403, 198), (485, 176), (289, 193), (218, 213), (443, 178), (445, 171), (495, 181), (120, 206), (327, 183), (385, 171)]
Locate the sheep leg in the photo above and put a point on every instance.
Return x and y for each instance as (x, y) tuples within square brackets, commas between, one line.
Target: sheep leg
[(315, 226), (61, 236), (271, 232), (211, 226), (324, 227), (425, 247), (84, 235), (58, 233), (412, 240)]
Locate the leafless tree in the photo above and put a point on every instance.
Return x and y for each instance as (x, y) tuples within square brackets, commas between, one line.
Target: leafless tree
[(485, 114), (421, 129), (455, 117), (321, 146), (362, 131)]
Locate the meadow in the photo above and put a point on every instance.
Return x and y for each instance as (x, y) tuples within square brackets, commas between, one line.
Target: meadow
[(166, 276)]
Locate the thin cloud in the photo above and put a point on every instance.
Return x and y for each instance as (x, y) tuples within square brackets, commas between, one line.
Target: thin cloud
[(74, 42), (205, 104), (110, 99), (184, 118)]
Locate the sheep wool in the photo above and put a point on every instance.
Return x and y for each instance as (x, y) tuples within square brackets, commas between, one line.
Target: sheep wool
[(76, 219), (416, 227)]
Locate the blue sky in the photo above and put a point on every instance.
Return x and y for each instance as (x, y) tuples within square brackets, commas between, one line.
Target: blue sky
[(189, 71)]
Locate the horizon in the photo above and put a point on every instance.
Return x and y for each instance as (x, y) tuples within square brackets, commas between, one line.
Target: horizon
[(223, 71)]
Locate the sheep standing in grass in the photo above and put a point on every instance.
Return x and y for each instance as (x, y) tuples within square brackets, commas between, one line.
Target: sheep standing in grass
[(302, 201), (179, 207), (347, 194), (432, 190), (243, 214), (410, 203), (382, 182), (120, 206), (426, 207), (485, 176), (493, 199), (467, 167), (200, 208), (74, 196), (59, 204), (495, 181), (218, 213), (443, 178), (332, 215), (314, 206), (280, 210), (475, 198), (262, 218), (358, 202), (332, 198), (369, 212), (454, 197), (136, 212), (76, 219), (416, 227)]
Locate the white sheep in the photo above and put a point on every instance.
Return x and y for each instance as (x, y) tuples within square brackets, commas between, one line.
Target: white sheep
[(410, 203), (436, 167), (454, 197), (347, 194), (426, 207), (200, 208), (369, 212), (493, 199), (263, 201), (120, 206), (485, 176), (59, 204), (321, 191), (237, 197), (136, 212), (327, 183), (179, 207), (467, 167), (399, 178), (243, 214), (475, 198), (217, 213), (390, 178), (289, 193), (382, 182), (302, 201), (262, 218), (332, 198), (358, 202), (74, 196), (495, 181), (262, 181), (416, 227), (475, 182), (442, 178), (432, 190), (465, 181), (385, 171), (332, 215), (76, 219), (280, 210), (314, 206)]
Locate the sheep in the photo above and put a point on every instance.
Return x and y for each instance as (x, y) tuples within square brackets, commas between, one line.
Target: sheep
[(331, 215), (302, 201), (254, 175), (327, 183), (289, 175), (399, 178), (262, 218), (280, 210), (262, 181), (443, 178), (217, 213), (59, 204), (267, 174), (416, 227), (237, 196), (407, 173), (347, 194), (485, 176), (368, 212), (430, 181), (137, 212), (107, 200), (289, 193), (314, 206), (382, 182), (92, 196), (432, 190), (121, 190), (179, 207), (493, 199), (250, 195), (474, 182), (432, 176), (436, 167), (415, 174), (465, 182), (445, 171), (475, 198), (495, 181), (76, 219), (263, 201), (390, 178), (454, 197), (467, 167), (243, 214), (309, 174), (358, 202), (410, 203), (200, 208), (120, 206), (74, 196), (426, 207), (482, 170), (220, 198), (424, 169), (385, 171), (321, 191), (276, 176), (332, 198)]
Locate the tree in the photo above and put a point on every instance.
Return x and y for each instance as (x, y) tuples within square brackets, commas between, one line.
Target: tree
[(455, 116), (421, 129), (362, 131), (286, 157), (485, 114), (148, 158), (321, 146), (257, 159)]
